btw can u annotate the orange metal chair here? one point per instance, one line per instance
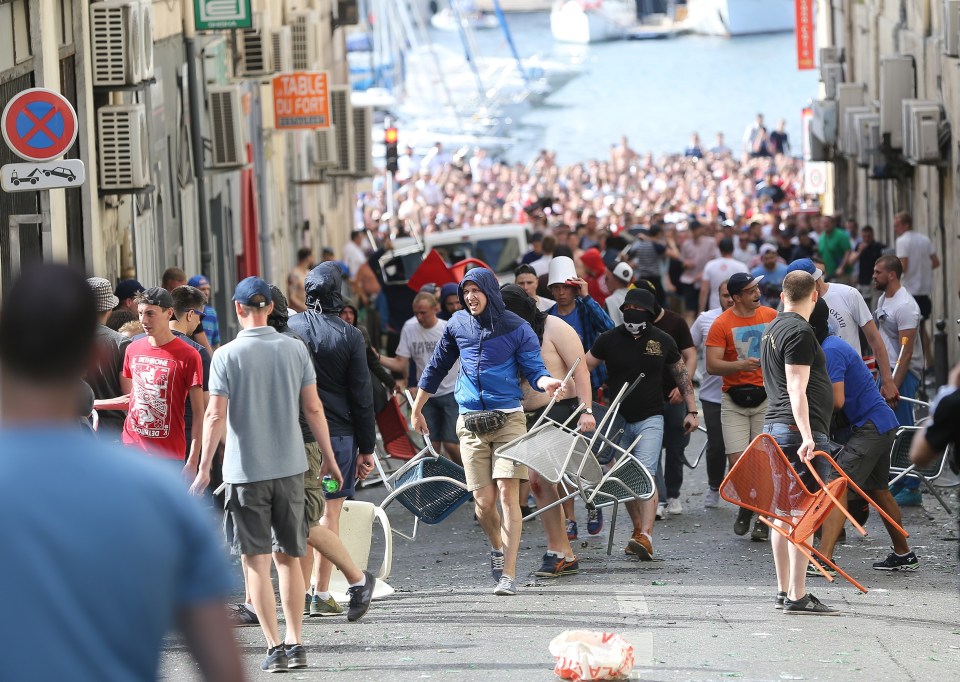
(764, 482)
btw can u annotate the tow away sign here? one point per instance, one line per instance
(301, 100)
(30, 177)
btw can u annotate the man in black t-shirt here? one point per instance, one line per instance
(633, 349)
(799, 407)
(866, 255)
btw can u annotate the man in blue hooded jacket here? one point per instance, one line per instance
(494, 347)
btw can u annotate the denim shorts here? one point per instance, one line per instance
(441, 413)
(647, 451)
(789, 441)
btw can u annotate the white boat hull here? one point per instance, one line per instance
(740, 17)
(570, 22)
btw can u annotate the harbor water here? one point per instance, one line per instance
(657, 92)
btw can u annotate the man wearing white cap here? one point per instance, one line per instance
(618, 281)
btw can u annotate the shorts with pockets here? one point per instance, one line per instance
(313, 492)
(267, 516)
(740, 425)
(865, 457)
(480, 465)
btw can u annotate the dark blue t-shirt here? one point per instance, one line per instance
(573, 319)
(861, 398)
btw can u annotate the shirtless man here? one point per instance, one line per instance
(560, 348)
(621, 156)
(296, 294)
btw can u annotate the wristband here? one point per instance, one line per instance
(693, 412)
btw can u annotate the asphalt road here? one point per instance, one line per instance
(702, 611)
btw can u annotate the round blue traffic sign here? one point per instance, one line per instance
(39, 124)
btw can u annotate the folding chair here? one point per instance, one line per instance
(703, 450)
(764, 482)
(395, 439)
(901, 466)
(431, 487)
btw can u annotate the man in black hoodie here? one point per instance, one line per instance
(343, 383)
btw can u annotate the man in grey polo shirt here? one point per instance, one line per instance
(258, 383)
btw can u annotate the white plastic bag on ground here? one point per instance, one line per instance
(590, 655)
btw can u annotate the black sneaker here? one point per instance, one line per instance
(360, 597)
(556, 566)
(781, 596)
(743, 522)
(808, 605)
(760, 532)
(276, 660)
(895, 562)
(240, 616)
(296, 656)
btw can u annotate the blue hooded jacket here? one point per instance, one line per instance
(493, 348)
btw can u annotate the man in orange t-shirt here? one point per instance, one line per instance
(733, 352)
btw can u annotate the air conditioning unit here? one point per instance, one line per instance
(868, 138)
(282, 49)
(341, 113)
(146, 40)
(124, 147)
(816, 147)
(303, 29)
(226, 126)
(849, 133)
(831, 55)
(823, 123)
(951, 28)
(832, 77)
(363, 142)
(848, 95)
(897, 83)
(255, 47)
(921, 131)
(326, 148)
(116, 35)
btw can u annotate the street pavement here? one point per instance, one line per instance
(703, 610)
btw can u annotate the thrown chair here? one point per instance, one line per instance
(901, 466)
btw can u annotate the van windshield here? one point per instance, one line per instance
(500, 254)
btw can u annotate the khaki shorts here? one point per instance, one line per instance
(479, 463)
(740, 424)
(313, 493)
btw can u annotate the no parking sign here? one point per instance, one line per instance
(39, 124)
(815, 177)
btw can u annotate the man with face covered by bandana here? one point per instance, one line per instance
(637, 348)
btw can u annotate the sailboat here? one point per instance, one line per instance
(592, 21)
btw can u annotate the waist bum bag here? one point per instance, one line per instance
(486, 421)
(748, 395)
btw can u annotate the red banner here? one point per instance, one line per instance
(806, 48)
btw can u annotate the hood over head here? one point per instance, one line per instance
(322, 286)
(518, 302)
(487, 281)
(820, 320)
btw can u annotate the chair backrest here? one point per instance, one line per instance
(900, 454)
(582, 463)
(393, 429)
(628, 480)
(763, 480)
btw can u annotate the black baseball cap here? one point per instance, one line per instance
(740, 281)
(642, 299)
(157, 296)
(127, 288)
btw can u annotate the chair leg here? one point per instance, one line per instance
(936, 494)
(613, 526)
(839, 570)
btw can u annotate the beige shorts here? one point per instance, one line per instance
(313, 493)
(740, 424)
(479, 463)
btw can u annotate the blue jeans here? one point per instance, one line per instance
(904, 412)
(647, 450)
(789, 441)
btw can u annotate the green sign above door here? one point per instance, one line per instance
(216, 15)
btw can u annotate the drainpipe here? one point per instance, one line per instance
(196, 137)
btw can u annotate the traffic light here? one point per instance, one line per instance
(390, 139)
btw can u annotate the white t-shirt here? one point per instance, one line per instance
(918, 279)
(900, 311)
(353, 258)
(716, 272)
(418, 344)
(613, 303)
(848, 312)
(711, 386)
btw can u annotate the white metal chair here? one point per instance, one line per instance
(901, 466)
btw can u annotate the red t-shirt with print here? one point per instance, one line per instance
(162, 378)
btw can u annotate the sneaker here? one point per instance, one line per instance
(711, 499)
(594, 521)
(507, 587)
(296, 656)
(661, 510)
(895, 562)
(324, 607)
(760, 532)
(808, 605)
(571, 530)
(276, 660)
(240, 616)
(908, 498)
(743, 522)
(555, 566)
(674, 508)
(641, 545)
(525, 510)
(496, 565)
(813, 572)
(360, 597)
(781, 597)
(307, 598)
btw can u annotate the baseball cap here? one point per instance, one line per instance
(767, 248)
(157, 296)
(253, 292)
(127, 288)
(740, 281)
(101, 291)
(198, 281)
(806, 265)
(623, 272)
(641, 298)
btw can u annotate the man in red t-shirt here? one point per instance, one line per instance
(165, 372)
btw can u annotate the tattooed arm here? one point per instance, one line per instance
(682, 377)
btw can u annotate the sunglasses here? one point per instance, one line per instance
(199, 313)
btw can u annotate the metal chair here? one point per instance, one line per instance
(703, 451)
(901, 466)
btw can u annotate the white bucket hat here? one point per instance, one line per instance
(561, 269)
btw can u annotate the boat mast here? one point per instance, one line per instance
(502, 18)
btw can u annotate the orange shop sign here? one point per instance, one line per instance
(805, 35)
(301, 100)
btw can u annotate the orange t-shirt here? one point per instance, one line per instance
(740, 339)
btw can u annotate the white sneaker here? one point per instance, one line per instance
(674, 508)
(661, 510)
(711, 499)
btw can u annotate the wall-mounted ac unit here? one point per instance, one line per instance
(146, 40)
(921, 131)
(831, 55)
(282, 48)
(255, 47)
(124, 147)
(897, 83)
(303, 28)
(226, 126)
(823, 123)
(832, 77)
(341, 112)
(848, 95)
(868, 138)
(849, 133)
(326, 147)
(116, 35)
(363, 142)
(818, 150)
(951, 28)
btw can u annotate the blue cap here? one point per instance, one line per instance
(127, 288)
(806, 265)
(253, 292)
(198, 281)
